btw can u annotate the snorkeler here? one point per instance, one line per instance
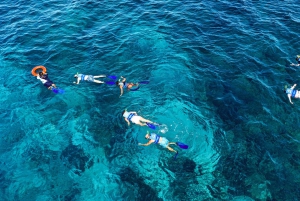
(134, 118)
(122, 84)
(156, 139)
(45, 80)
(298, 60)
(89, 78)
(292, 93)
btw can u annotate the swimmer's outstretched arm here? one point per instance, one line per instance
(293, 86)
(124, 79)
(150, 142)
(127, 121)
(289, 95)
(121, 88)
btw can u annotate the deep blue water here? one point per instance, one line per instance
(216, 70)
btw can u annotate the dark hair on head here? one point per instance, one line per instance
(41, 73)
(284, 90)
(123, 112)
(117, 83)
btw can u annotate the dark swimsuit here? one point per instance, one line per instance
(49, 82)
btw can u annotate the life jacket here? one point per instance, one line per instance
(291, 91)
(154, 137)
(81, 76)
(128, 115)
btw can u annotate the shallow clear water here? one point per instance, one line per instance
(216, 72)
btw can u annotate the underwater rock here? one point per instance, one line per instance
(136, 186)
(74, 157)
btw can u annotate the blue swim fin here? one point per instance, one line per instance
(144, 82)
(181, 145)
(110, 82)
(152, 126)
(176, 155)
(58, 91)
(113, 77)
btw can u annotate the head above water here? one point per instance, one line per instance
(41, 73)
(147, 136)
(285, 87)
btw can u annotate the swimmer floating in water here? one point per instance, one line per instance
(292, 93)
(122, 84)
(156, 139)
(134, 118)
(89, 78)
(298, 60)
(43, 77)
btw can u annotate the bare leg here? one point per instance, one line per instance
(141, 124)
(145, 120)
(170, 149)
(98, 81)
(51, 87)
(97, 76)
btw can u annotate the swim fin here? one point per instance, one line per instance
(113, 77)
(176, 155)
(152, 126)
(181, 145)
(58, 91)
(110, 82)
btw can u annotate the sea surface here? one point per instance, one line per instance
(216, 72)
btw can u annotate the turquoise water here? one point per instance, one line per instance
(216, 72)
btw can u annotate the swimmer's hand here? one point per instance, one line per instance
(75, 82)
(140, 144)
